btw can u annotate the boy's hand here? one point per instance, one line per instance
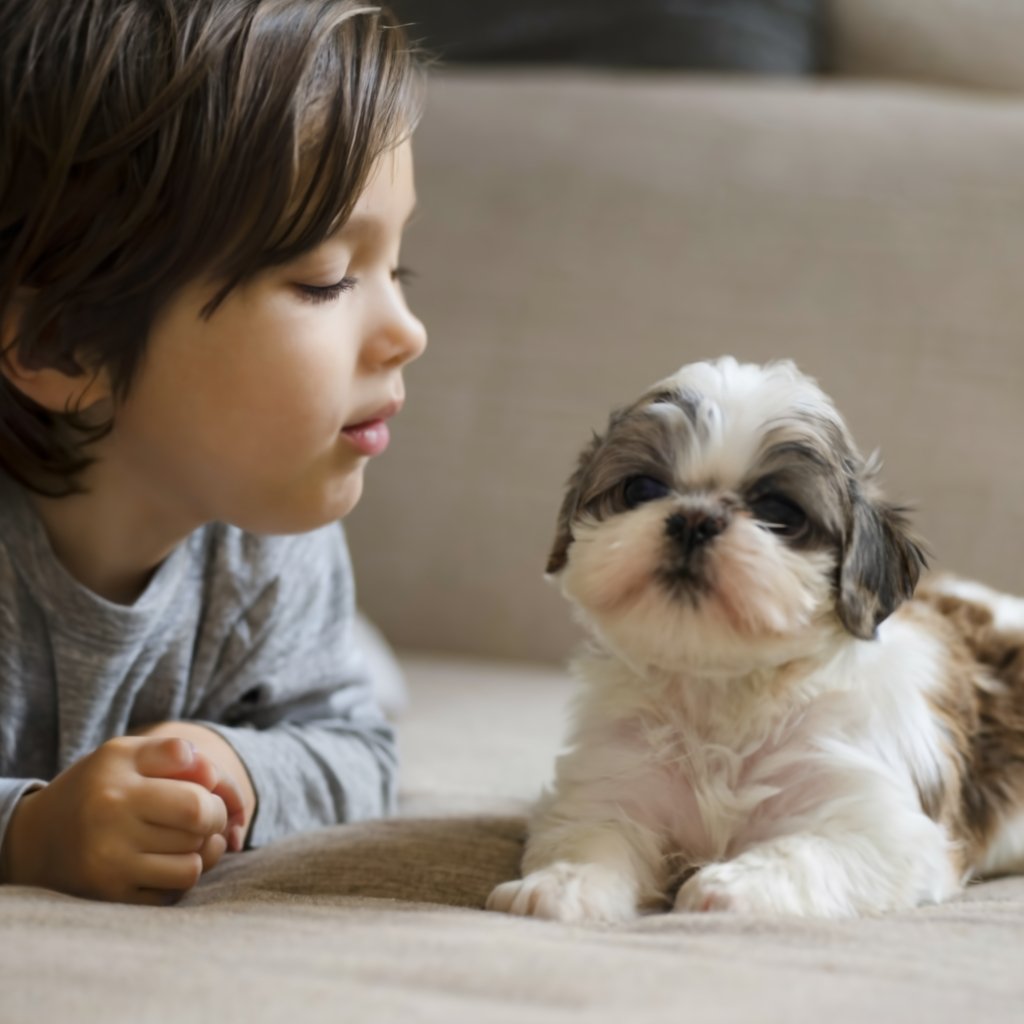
(217, 764)
(137, 820)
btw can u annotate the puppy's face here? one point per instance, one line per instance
(727, 520)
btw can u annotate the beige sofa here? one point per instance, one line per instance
(582, 235)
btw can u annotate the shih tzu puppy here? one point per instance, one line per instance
(773, 721)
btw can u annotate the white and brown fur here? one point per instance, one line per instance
(773, 721)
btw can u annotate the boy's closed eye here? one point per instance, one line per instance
(327, 292)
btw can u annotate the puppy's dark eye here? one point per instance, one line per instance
(779, 514)
(639, 489)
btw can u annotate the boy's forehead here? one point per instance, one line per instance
(390, 194)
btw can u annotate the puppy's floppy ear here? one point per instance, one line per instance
(881, 565)
(570, 503)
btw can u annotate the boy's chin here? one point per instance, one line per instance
(349, 495)
(342, 498)
(301, 516)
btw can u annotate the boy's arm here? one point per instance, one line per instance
(294, 701)
(309, 772)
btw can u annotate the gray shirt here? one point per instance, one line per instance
(249, 635)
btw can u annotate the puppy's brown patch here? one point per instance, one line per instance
(982, 710)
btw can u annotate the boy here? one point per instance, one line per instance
(201, 208)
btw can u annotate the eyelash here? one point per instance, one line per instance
(327, 293)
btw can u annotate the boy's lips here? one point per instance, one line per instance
(370, 436)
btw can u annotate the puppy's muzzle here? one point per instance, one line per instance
(692, 529)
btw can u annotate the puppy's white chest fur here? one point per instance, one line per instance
(714, 780)
(711, 764)
(696, 770)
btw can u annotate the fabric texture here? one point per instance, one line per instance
(382, 921)
(757, 36)
(251, 636)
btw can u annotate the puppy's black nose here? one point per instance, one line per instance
(694, 528)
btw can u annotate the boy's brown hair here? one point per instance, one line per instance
(148, 143)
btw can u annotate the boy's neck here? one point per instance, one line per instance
(108, 539)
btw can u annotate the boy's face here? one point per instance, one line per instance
(247, 417)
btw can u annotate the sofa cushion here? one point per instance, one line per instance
(383, 921)
(480, 737)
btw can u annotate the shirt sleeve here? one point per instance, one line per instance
(11, 791)
(294, 699)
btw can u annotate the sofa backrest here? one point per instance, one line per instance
(584, 235)
(974, 43)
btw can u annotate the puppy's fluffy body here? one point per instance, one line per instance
(773, 721)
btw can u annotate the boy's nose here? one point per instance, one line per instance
(401, 340)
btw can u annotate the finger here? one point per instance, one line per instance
(202, 771)
(192, 765)
(164, 757)
(173, 871)
(236, 838)
(160, 839)
(174, 757)
(214, 847)
(182, 805)
(227, 789)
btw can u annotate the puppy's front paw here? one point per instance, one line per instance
(568, 892)
(740, 889)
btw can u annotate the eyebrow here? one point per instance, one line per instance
(364, 224)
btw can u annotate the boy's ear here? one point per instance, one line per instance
(48, 386)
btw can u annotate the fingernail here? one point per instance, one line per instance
(237, 838)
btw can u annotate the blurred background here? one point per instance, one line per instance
(767, 36)
(610, 190)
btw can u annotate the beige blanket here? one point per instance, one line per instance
(383, 922)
